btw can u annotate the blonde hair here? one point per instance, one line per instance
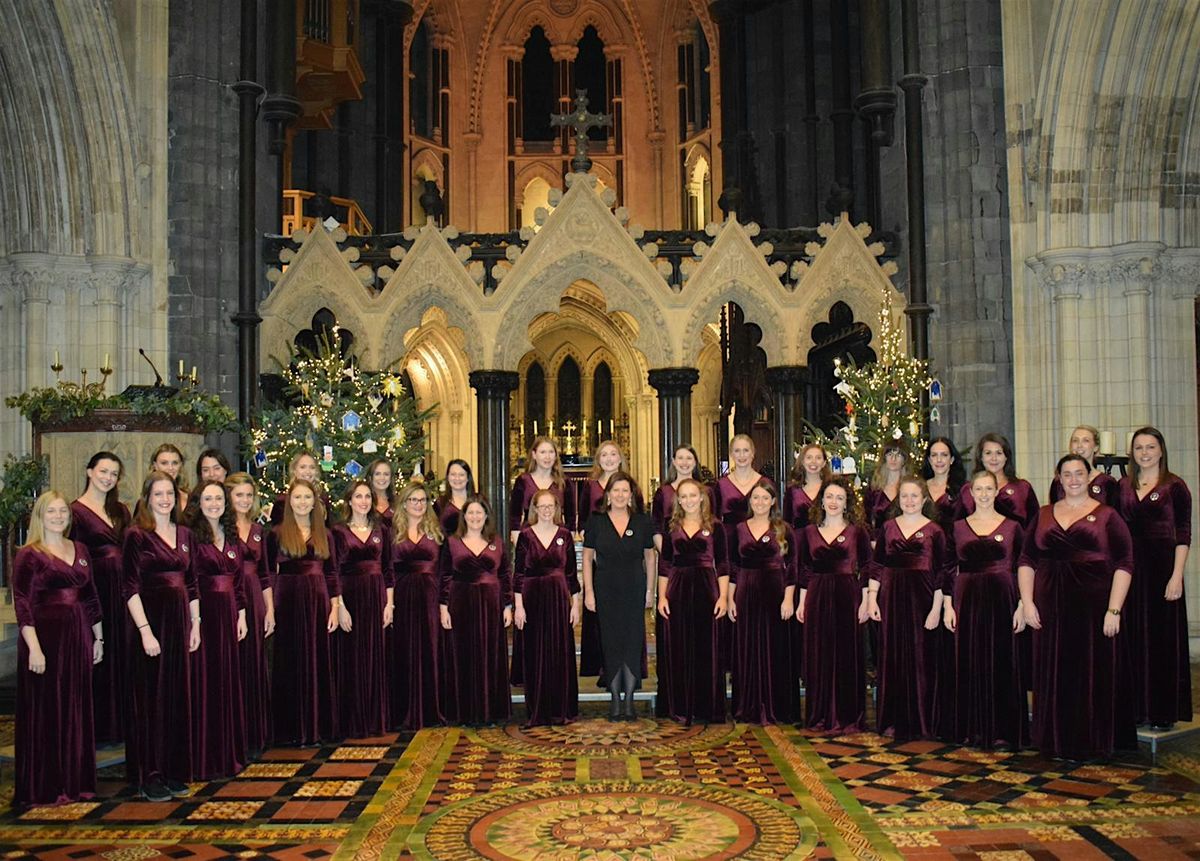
(598, 471)
(237, 479)
(677, 514)
(429, 525)
(1095, 433)
(36, 537)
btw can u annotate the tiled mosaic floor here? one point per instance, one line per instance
(647, 790)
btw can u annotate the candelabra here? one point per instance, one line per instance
(82, 389)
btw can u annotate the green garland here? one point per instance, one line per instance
(57, 404)
(23, 480)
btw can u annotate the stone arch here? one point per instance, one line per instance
(436, 347)
(549, 171)
(296, 312)
(525, 18)
(757, 308)
(595, 14)
(407, 312)
(604, 355)
(865, 303)
(555, 360)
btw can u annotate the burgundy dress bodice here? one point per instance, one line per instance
(410, 558)
(704, 549)
(523, 491)
(1103, 488)
(459, 563)
(150, 563)
(371, 556)
(254, 556)
(220, 569)
(448, 514)
(42, 580)
(101, 540)
(1016, 500)
(848, 554)
(758, 554)
(796, 506)
(534, 560)
(1164, 514)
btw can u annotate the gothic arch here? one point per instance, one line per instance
(439, 368)
(756, 307)
(554, 362)
(296, 314)
(525, 18)
(408, 311)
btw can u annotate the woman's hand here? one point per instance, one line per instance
(1112, 624)
(873, 608)
(389, 614)
(519, 617)
(150, 643)
(1018, 619)
(576, 611)
(242, 628)
(508, 616)
(589, 601)
(721, 608)
(194, 637)
(97, 651)
(864, 611)
(732, 609)
(332, 622)
(444, 612)
(1174, 589)
(664, 607)
(649, 599)
(786, 610)
(1032, 619)
(949, 618)
(344, 620)
(37, 661)
(934, 617)
(800, 606)
(269, 623)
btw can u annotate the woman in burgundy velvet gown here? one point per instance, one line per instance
(169, 459)
(212, 465)
(476, 608)
(459, 486)
(260, 612)
(683, 466)
(1157, 505)
(618, 559)
(543, 472)
(693, 595)
(1085, 441)
(879, 499)
(981, 606)
(218, 713)
(609, 461)
(160, 591)
(905, 596)
(1017, 498)
(834, 562)
(383, 488)
(98, 521)
(809, 474)
(304, 466)
(363, 547)
(945, 475)
(58, 614)
(301, 556)
(762, 585)
(547, 603)
(417, 643)
(1074, 575)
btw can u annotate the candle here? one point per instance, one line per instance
(535, 432)
(193, 373)
(181, 367)
(599, 428)
(56, 359)
(106, 363)
(610, 428)
(1108, 442)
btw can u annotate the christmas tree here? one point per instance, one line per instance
(344, 415)
(882, 403)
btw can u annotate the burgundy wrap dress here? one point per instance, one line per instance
(476, 589)
(110, 693)
(990, 707)
(909, 570)
(256, 678)
(833, 573)
(949, 509)
(765, 690)
(1076, 689)
(159, 740)
(1157, 629)
(55, 747)
(448, 514)
(796, 509)
(1103, 488)
(692, 683)
(417, 636)
(546, 579)
(591, 652)
(877, 509)
(359, 655)
(302, 683)
(523, 491)
(218, 713)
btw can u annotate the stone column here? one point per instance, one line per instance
(492, 391)
(789, 384)
(740, 194)
(674, 387)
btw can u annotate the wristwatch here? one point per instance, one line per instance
(1114, 611)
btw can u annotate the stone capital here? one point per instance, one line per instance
(787, 379)
(494, 384)
(564, 51)
(673, 381)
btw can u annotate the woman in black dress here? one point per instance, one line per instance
(618, 585)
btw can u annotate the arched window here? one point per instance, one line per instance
(602, 393)
(535, 399)
(591, 73)
(841, 337)
(537, 193)
(569, 399)
(538, 97)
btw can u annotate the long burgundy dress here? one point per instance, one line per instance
(218, 714)
(591, 652)
(764, 682)
(990, 703)
(949, 512)
(949, 509)
(1157, 629)
(55, 748)
(417, 640)
(1017, 500)
(910, 570)
(833, 573)
(476, 589)
(545, 578)
(1076, 689)
(1103, 488)
(731, 507)
(796, 509)
(523, 490)
(302, 683)
(359, 656)
(256, 678)
(693, 685)
(109, 684)
(159, 738)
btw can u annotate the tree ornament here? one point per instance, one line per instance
(374, 399)
(351, 421)
(326, 400)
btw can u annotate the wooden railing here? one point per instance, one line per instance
(348, 213)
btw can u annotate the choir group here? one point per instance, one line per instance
(962, 592)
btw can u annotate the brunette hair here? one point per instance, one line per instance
(489, 528)
(198, 523)
(288, 531)
(447, 494)
(532, 516)
(217, 455)
(672, 472)
(879, 475)
(597, 471)
(143, 517)
(1164, 472)
(928, 507)
(796, 476)
(1071, 458)
(36, 536)
(429, 525)
(777, 524)
(390, 493)
(117, 513)
(180, 483)
(957, 476)
(853, 513)
(620, 475)
(1010, 470)
(236, 480)
(556, 471)
(707, 521)
(354, 484)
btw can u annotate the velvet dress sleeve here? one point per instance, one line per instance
(1031, 555)
(517, 503)
(862, 551)
(239, 576)
(91, 598)
(791, 559)
(445, 570)
(570, 565)
(666, 557)
(1031, 507)
(1181, 506)
(333, 572)
(720, 550)
(803, 559)
(1120, 543)
(505, 575)
(26, 570)
(385, 556)
(520, 559)
(185, 544)
(131, 552)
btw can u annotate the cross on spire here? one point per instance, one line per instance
(581, 121)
